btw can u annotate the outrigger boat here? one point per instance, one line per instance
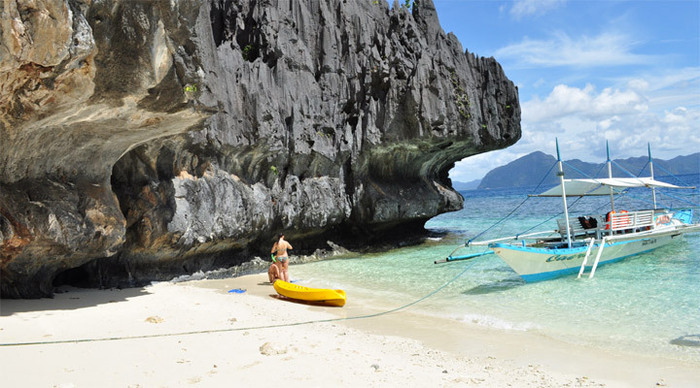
(583, 243)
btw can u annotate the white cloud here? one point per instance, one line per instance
(584, 120)
(638, 84)
(523, 8)
(606, 49)
(663, 110)
(566, 100)
(679, 87)
(608, 123)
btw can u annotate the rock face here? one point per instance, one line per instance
(141, 140)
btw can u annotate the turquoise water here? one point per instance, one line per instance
(647, 304)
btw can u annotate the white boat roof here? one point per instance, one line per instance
(602, 186)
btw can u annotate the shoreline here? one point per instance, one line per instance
(196, 333)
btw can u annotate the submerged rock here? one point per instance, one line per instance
(143, 140)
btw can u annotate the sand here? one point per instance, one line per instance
(198, 334)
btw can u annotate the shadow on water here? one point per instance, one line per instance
(690, 340)
(504, 269)
(497, 286)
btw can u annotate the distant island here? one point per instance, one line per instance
(531, 169)
(462, 186)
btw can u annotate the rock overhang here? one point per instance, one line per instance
(188, 133)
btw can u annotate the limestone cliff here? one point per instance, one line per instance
(145, 139)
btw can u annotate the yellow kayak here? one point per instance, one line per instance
(316, 295)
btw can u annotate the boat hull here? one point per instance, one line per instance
(314, 295)
(537, 264)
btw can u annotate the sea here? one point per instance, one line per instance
(646, 304)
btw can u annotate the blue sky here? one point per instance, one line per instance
(589, 71)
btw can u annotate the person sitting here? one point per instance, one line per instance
(273, 273)
(588, 222)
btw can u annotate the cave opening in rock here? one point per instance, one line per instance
(80, 277)
(104, 271)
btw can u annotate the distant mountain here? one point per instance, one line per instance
(531, 168)
(471, 185)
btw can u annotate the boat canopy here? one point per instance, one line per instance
(602, 186)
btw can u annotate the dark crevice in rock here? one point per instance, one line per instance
(220, 21)
(145, 195)
(230, 22)
(82, 277)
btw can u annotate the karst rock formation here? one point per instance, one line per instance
(140, 140)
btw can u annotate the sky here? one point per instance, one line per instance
(589, 71)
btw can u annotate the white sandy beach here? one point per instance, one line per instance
(198, 334)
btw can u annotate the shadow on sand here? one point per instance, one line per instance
(299, 301)
(69, 298)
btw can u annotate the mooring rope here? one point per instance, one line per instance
(507, 216)
(234, 329)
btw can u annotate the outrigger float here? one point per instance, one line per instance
(584, 243)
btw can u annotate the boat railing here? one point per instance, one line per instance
(578, 226)
(598, 226)
(635, 221)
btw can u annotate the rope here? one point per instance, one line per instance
(677, 178)
(514, 210)
(185, 333)
(583, 174)
(643, 167)
(680, 199)
(552, 217)
(498, 222)
(625, 170)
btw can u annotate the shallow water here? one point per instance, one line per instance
(647, 304)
